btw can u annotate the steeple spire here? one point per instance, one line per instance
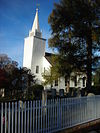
(36, 22)
(35, 27)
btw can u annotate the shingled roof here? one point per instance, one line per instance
(48, 56)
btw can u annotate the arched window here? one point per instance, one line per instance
(56, 82)
(84, 81)
(37, 69)
(75, 80)
(66, 81)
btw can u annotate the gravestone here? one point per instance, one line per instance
(61, 92)
(53, 93)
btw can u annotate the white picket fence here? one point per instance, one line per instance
(50, 116)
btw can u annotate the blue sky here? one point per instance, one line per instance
(16, 19)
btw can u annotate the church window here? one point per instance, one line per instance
(65, 80)
(51, 85)
(56, 82)
(75, 81)
(38, 34)
(83, 81)
(37, 69)
(44, 70)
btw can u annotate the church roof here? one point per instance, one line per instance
(48, 56)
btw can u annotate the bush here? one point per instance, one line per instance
(35, 91)
(96, 90)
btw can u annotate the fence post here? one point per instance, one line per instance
(9, 118)
(31, 117)
(12, 115)
(36, 114)
(5, 117)
(39, 117)
(59, 113)
(25, 117)
(1, 117)
(53, 120)
(95, 107)
(48, 114)
(22, 119)
(18, 117)
(51, 115)
(55, 113)
(28, 118)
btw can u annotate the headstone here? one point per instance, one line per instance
(90, 94)
(44, 97)
(74, 93)
(82, 92)
(61, 92)
(53, 92)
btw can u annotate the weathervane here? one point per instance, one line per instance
(37, 6)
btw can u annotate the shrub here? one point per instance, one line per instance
(35, 91)
(96, 90)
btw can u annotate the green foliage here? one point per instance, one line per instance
(3, 78)
(96, 77)
(50, 76)
(15, 80)
(19, 80)
(52, 73)
(75, 29)
(96, 90)
(35, 91)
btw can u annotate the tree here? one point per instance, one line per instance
(50, 76)
(35, 91)
(3, 78)
(6, 67)
(7, 63)
(96, 77)
(75, 29)
(15, 80)
(21, 80)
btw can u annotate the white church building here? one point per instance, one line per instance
(38, 60)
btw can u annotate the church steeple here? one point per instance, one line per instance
(36, 22)
(35, 28)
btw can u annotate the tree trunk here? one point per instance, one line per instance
(89, 62)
